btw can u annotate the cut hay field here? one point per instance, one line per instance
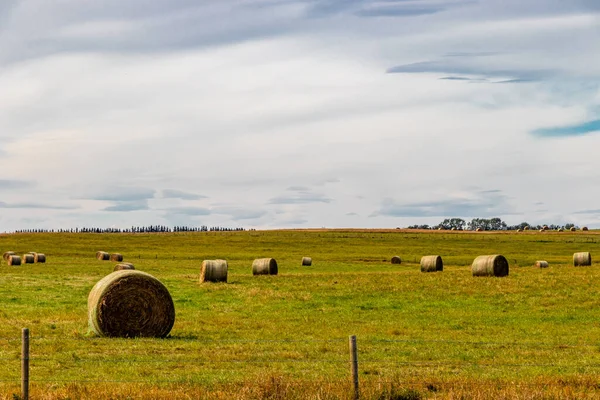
(447, 335)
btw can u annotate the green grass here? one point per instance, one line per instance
(277, 333)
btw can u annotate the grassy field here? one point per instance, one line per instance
(532, 335)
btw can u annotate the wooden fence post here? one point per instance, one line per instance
(354, 366)
(25, 364)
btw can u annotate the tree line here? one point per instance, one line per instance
(491, 224)
(136, 229)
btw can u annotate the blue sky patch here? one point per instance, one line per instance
(569, 130)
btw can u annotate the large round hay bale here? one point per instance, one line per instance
(116, 257)
(583, 258)
(585, 228)
(14, 260)
(264, 266)
(573, 229)
(478, 230)
(306, 261)
(559, 230)
(541, 264)
(396, 260)
(431, 264)
(122, 266)
(526, 228)
(39, 258)
(130, 303)
(519, 230)
(102, 256)
(213, 271)
(494, 265)
(8, 254)
(542, 230)
(28, 258)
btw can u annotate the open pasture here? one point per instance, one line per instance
(532, 334)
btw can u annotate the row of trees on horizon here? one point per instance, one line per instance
(137, 229)
(491, 224)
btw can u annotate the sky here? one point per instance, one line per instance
(298, 113)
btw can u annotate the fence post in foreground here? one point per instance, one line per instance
(354, 366)
(25, 364)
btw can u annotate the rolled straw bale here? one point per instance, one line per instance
(213, 271)
(519, 230)
(572, 229)
(478, 230)
(526, 228)
(14, 260)
(583, 258)
(306, 261)
(585, 228)
(28, 258)
(453, 228)
(396, 260)
(102, 256)
(8, 254)
(542, 230)
(116, 257)
(541, 264)
(264, 266)
(39, 258)
(559, 230)
(122, 266)
(130, 303)
(493, 265)
(431, 264)
(545, 227)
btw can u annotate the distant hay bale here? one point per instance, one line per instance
(39, 258)
(431, 264)
(541, 264)
(116, 257)
(581, 259)
(213, 271)
(123, 266)
(28, 258)
(573, 229)
(559, 230)
(130, 303)
(264, 266)
(585, 228)
(478, 230)
(545, 227)
(542, 230)
(453, 228)
(306, 261)
(14, 260)
(440, 228)
(526, 228)
(396, 260)
(519, 230)
(493, 265)
(8, 254)
(102, 256)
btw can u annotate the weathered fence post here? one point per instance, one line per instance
(354, 366)
(25, 364)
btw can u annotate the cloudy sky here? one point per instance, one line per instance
(298, 113)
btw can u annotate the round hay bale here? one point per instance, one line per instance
(585, 228)
(306, 261)
(28, 258)
(396, 260)
(478, 230)
(545, 227)
(526, 228)
(8, 254)
(122, 266)
(39, 258)
(14, 260)
(542, 230)
(440, 228)
(494, 265)
(581, 259)
(431, 264)
(573, 229)
(102, 256)
(130, 303)
(116, 257)
(213, 271)
(519, 230)
(541, 264)
(559, 230)
(264, 266)
(453, 228)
